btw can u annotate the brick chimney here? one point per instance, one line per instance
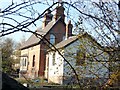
(60, 12)
(47, 18)
(69, 27)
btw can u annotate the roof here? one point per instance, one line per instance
(72, 39)
(64, 43)
(33, 40)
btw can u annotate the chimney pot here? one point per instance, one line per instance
(69, 27)
(47, 18)
(60, 12)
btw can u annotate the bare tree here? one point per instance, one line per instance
(100, 19)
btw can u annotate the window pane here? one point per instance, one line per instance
(25, 61)
(52, 39)
(33, 64)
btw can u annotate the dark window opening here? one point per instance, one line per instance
(25, 62)
(33, 64)
(53, 58)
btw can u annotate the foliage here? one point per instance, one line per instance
(7, 47)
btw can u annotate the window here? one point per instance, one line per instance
(80, 57)
(25, 62)
(54, 58)
(52, 39)
(33, 64)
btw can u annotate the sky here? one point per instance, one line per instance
(19, 35)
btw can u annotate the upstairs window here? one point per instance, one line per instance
(33, 64)
(80, 57)
(52, 39)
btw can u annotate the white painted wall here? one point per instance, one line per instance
(90, 69)
(55, 72)
(64, 69)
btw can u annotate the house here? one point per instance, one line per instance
(84, 54)
(33, 51)
(114, 65)
(40, 59)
